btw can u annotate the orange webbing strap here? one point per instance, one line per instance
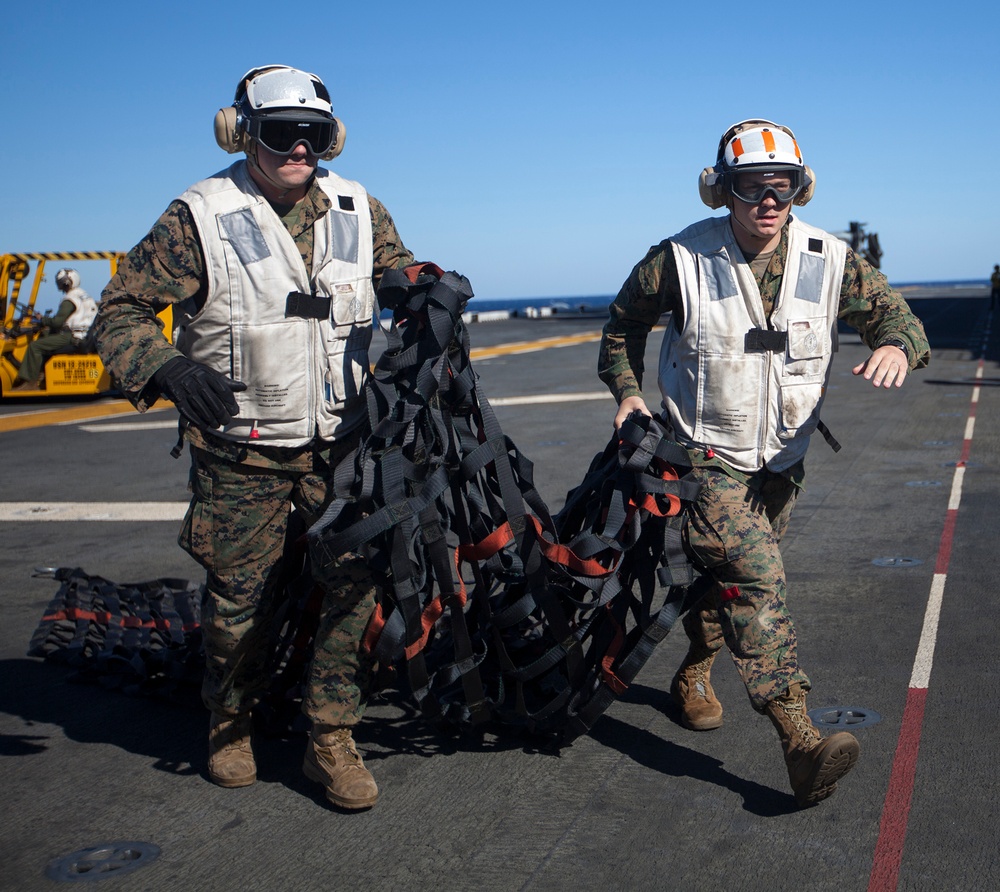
(374, 631)
(433, 612)
(106, 618)
(566, 557)
(613, 682)
(487, 547)
(415, 270)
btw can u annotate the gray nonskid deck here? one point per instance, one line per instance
(639, 803)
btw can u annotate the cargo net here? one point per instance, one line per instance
(141, 638)
(494, 610)
(491, 612)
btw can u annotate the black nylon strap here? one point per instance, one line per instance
(831, 440)
(307, 306)
(758, 339)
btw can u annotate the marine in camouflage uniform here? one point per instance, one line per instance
(735, 527)
(243, 494)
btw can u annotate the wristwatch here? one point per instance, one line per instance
(896, 342)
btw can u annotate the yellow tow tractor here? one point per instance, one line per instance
(78, 372)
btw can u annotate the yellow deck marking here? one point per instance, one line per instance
(71, 415)
(532, 346)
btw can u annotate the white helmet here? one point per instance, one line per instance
(761, 146)
(67, 279)
(279, 108)
(278, 88)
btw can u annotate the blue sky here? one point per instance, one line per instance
(538, 148)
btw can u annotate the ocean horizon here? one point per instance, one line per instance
(599, 302)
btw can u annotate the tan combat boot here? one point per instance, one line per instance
(814, 764)
(230, 759)
(333, 760)
(692, 691)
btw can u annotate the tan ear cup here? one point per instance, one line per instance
(806, 194)
(710, 189)
(338, 141)
(226, 134)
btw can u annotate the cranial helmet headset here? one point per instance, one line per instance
(67, 279)
(280, 108)
(756, 146)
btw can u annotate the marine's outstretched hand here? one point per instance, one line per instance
(886, 366)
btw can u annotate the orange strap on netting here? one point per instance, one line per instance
(433, 611)
(414, 270)
(563, 555)
(607, 661)
(488, 546)
(650, 503)
(103, 617)
(375, 626)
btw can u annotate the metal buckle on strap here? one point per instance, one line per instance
(765, 339)
(307, 306)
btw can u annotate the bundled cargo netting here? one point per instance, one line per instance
(143, 637)
(499, 611)
(494, 612)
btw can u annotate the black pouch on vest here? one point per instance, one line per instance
(764, 339)
(307, 306)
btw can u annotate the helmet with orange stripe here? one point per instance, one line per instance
(766, 149)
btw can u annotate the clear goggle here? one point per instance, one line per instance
(752, 185)
(281, 135)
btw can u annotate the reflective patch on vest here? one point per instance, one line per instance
(717, 275)
(810, 282)
(241, 231)
(344, 228)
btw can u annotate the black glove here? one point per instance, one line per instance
(202, 395)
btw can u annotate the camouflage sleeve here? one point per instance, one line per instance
(878, 312)
(389, 251)
(165, 268)
(650, 290)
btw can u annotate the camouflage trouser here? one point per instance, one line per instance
(235, 528)
(733, 534)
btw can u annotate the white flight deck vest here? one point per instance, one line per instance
(753, 407)
(303, 375)
(79, 321)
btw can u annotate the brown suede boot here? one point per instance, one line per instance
(692, 691)
(333, 760)
(814, 764)
(230, 759)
